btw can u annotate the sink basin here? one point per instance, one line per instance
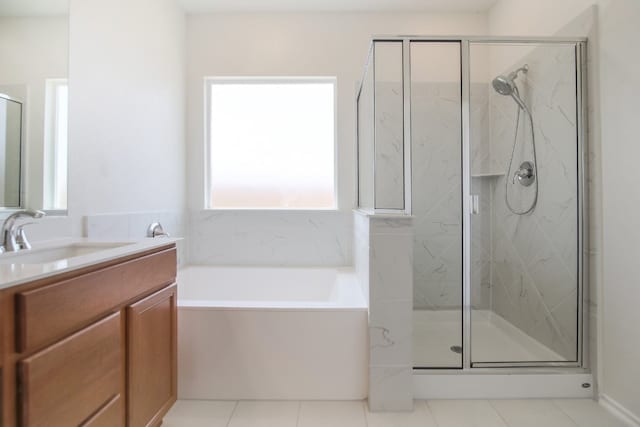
(52, 254)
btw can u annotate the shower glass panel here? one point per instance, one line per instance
(436, 151)
(524, 157)
(481, 141)
(365, 105)
(389, 134)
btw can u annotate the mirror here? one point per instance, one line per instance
(10, 143)
(34, 45)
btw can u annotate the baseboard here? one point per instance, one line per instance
(501, 386)
(619, 411)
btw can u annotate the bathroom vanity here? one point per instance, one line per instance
(89, 340)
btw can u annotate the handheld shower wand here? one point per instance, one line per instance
(527, 174)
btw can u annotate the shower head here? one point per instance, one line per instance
(506, 85)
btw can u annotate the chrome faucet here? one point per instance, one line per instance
(13, 235)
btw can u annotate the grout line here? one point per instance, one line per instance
(430, 411)
(553, 402)
(233, 411)
(364, 406)
(298, 414)
(506, 423)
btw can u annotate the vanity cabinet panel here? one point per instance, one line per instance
(91, 347)
(66, 383)
(151, 358)
(111, 415)
(48, 313)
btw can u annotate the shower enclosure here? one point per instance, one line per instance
(481, 141)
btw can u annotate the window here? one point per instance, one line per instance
(55, 144)
(270, 143)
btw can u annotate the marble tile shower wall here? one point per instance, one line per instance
(535, 255)
(436, 201)
(389, 152)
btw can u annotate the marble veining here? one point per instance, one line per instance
(383, 264)
(535, 256)
(389, 146)
(322, 238)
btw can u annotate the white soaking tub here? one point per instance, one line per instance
(271, 333)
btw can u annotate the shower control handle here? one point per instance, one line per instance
(524, 174)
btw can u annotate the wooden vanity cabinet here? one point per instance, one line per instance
(152, 348)
(68, 382)
(91, 347)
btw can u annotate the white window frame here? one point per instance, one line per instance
(210, 80)
(56, 160)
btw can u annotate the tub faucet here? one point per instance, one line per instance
(14, 238)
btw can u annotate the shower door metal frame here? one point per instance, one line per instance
(581, 362)
(581, 299)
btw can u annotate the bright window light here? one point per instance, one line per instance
(271, 143)
(56, 144)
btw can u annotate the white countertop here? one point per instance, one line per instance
(12, 274)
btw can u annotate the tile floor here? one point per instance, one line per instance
(432, 413)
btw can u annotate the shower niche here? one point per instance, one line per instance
(481, 141)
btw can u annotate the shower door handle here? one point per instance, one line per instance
(474, 203)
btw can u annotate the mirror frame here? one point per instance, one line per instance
(23, 163)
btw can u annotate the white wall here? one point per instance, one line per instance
(617, 70)
(127, 106)
(289, 44)
(33, 49)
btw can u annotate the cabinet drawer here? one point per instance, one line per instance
(111, 415)
(63, 385)
(49, 313)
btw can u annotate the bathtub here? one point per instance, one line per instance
(271, 333)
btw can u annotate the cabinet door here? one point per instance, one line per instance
(152, 358)
(64, 384)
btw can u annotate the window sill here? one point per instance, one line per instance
(270, 210)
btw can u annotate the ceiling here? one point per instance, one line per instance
(199, 6)
(60, 7)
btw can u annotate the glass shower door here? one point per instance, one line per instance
(524, 185)
(436, 150)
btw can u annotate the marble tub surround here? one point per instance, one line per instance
(14, 273)
(130, 226)
(386, 264)
(271, 237)
(133, 225)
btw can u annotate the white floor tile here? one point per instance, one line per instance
(332, 414)
(199, 413)
(588, 413)
(532, 413)
(265, 414)
(465, 413)
(420, 417)
(434, 413)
